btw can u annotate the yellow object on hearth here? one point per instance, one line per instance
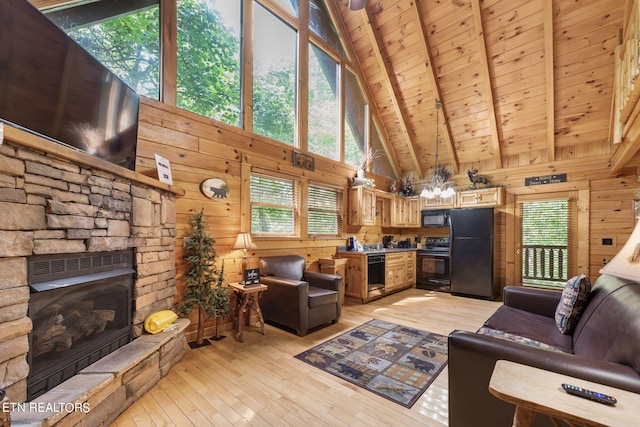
(159, 321)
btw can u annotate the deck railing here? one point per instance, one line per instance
(544, 264)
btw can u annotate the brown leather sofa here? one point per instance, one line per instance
(296, 298)
(604, 348)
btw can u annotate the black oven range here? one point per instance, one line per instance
(432, 269)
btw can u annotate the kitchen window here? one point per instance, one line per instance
(325, 211)
(274, 205)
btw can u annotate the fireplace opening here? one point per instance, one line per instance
(81, 309)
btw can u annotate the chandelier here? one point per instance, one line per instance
(439, 186)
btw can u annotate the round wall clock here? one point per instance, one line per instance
(214, 188)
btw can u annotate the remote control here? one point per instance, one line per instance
(588, 394)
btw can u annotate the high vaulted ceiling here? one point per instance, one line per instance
(521, 81)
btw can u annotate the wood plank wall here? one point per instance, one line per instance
(199, 148)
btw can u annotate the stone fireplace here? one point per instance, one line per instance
(57, 203)
(80, 308)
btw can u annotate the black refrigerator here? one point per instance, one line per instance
(471, 257)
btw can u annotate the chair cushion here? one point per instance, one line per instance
(572, 303)
(319, 296)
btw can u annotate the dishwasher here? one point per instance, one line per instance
(375, 274)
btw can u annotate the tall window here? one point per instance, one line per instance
(124, 36)
(325, 211)
(546, 243)
(320, 23)
(274, 77)
(273, 205)
(324, 111)
(381, 164)
(354, 120)
(209, 35)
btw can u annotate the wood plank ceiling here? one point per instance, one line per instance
(521, 81)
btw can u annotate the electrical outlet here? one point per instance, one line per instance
(605, 261)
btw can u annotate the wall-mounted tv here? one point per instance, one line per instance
(51, 86)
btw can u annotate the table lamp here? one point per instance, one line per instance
(244, 242)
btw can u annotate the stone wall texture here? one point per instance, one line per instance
(50, 205)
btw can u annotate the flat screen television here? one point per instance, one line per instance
(51, 86)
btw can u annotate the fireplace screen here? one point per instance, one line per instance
(80, 307)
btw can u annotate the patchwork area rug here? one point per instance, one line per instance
(393, 361)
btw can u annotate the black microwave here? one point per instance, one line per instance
(435, 218)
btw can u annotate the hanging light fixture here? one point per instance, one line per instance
(439, 186)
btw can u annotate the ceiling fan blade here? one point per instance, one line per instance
(356, 4)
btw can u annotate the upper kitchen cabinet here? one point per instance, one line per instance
(384, 209)
(438, 203)
(406, 211)
(362, 206)
(493, 196)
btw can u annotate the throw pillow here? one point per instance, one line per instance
(573, 301)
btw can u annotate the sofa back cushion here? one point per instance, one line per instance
(609, 328)
(286, 266)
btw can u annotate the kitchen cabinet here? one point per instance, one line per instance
(356, 277)
(493, 196)
(362, 206)
(439, 203)
(413, 219)
(399, 273)
(410, 268)
(384, 209)
(406, 211)
(394, 272)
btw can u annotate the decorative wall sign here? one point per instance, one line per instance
(304, 161)
(164, 170)
(546, 179)
(214, 188)
(251, 276)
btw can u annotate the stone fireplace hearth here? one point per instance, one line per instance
(54, 200)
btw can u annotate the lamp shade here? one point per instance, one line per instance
(244, 241)
(626, 263)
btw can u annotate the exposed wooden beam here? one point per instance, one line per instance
(168, 52)
(435, 88)
(486, 82)
(357, 66)
(392, 85)
(303, 78)
(247, 66)
(549, 79)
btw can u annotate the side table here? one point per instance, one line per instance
(247, 299)
(536, 390)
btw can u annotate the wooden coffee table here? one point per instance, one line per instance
(535, 390)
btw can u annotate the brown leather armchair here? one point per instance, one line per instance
(296, 298)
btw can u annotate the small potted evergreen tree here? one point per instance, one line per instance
(203, 281)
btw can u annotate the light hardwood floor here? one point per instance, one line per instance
(260, 383)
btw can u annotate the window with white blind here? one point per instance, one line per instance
(274, 202)
(325, 211)
(547, 230)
